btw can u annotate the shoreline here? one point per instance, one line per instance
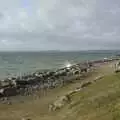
(29, 85)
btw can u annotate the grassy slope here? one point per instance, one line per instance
(99, 101)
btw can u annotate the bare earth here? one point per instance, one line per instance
(37, 109)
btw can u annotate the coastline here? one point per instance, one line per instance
(43, 81)
(37, 108)
(14, 63)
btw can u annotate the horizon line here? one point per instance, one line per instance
(58, 50)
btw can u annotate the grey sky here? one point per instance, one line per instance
(59, 24)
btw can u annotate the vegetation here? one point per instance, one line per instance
(99, 101)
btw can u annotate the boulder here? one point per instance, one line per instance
(9, 91)
(4, 83)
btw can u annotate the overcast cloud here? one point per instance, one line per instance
(59, 24)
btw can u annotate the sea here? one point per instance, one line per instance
(19, 63)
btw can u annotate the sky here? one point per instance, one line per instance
(59, 25)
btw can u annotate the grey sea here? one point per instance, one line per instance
(17, 63)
